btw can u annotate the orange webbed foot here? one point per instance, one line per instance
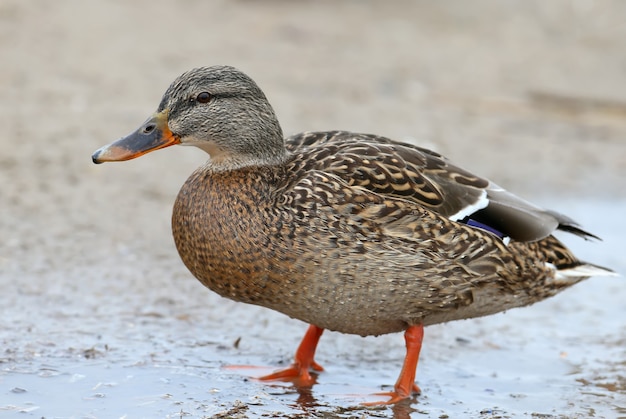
(405, 385)
(299, 374)
(394, 396)
(300, 371)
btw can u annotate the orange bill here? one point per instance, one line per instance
(151, 135)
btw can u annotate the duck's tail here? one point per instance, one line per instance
(568, 270)
(569, 275)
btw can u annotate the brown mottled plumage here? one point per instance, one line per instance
(348, 232)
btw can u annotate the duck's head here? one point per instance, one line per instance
(218, 109)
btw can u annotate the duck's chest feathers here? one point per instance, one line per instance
(223, 226)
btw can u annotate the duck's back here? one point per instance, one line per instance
(406, 171)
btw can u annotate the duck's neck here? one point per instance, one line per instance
(252, 148)
(223, 162)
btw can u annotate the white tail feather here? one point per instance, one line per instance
(581, 271)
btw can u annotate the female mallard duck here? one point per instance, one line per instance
(349, 232)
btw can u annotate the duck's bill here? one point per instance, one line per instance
(151, 135)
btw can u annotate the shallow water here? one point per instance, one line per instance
(120, 351)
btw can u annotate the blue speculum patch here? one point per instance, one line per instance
(473, 223)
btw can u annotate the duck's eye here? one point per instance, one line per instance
(203, 97)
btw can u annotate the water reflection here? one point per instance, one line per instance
(403, 409)
(309, 404)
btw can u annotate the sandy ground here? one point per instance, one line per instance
(100, 319)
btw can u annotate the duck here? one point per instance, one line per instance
(350, 232)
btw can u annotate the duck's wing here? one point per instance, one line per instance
(412, 173)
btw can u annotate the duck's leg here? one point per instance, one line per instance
(405, 385)
(299, 371)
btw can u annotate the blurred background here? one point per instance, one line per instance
(99, 311)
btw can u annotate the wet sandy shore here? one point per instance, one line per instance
(101, 319)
